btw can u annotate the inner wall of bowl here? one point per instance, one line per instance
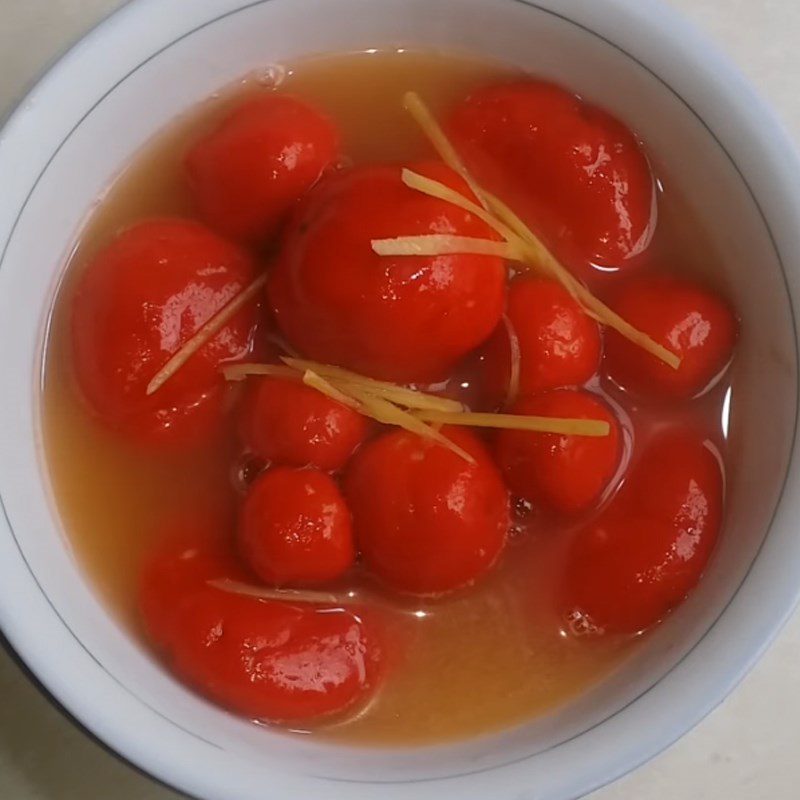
(545, 45)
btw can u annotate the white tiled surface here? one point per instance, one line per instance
(746, 750)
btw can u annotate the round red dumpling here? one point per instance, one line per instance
(287, 422)
(295, 528)
(567, 474)
(559, 344)
(691, 322)
(137, 303)
(427, 521)
(263, 659)
(247, 174)
(575, 174)
(274, 661)
(403, 318)
(628, 568)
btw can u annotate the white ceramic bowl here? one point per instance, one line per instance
(732, 163)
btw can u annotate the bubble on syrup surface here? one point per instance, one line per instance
(581, 624)
(270, 77)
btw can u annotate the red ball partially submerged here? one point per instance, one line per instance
(642, 556)
(275, 661)
(575, 174)
(400, 318)
(247, 174)
(567, 474)
(264, 659)
(427, 521)
(689, 321)
(138, 302)
(287, 422)
(295, 528)
(559, 344)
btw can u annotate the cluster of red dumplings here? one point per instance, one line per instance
(338, 487)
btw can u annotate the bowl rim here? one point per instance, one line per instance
(775, 148)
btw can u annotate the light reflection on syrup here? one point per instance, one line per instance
(726, 412)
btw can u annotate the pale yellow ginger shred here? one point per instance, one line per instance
(298, 369)
(415, 106)
(381, 401)
(531, 244)
(407, 398)
(361, 397)
(441, 191)
(520, 422)
(624, 328)
(389, 414)
(532, 251)
(444, 244)
(205, 334)
(540, 256)
(526, 249)
(319, 383)
(410, 398)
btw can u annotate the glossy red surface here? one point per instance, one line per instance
(138, 302)
(573, 172)
(567, 474)
(691, 322)
(286, 422)
(295, 528)
(427, 521)
(397, 318)
(247, 174)
(647, 550)
(559, 345)
(263, 659)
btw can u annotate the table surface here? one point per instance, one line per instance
(746, 749)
